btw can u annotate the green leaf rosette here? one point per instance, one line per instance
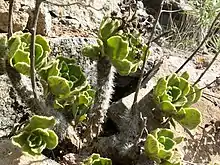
(174, 95)
(67, 82)
(19, 52)
(124, 50)
(160, 146)
(37, 136)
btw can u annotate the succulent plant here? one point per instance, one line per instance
(108, 27)
(124, 50)
(19, 52)
(36, 136)
(68, 84)
(95, 159)
(61, 77)
(174, 95)
(160, 145)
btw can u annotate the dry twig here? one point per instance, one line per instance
(133, 111)
(32, 45)
(203, 73)
(201, 44)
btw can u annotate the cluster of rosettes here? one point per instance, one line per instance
(68, 84)
(160, 146)
(124, 50)
(62, 77)
(174, 95)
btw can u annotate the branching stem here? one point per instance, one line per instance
(145, 59)
(208, 85)
(32, 45)
(208, 94)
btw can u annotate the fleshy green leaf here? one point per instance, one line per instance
(108, 27)
(20, 139)
(38, 53)
(95, 159)
(181, 102)
(34, 141)
(167, 107)
(54, 71)
(58, 85)
(14, 43)
(66, 60)
(23, 68)
(169, 143)
(36, 138)
(164, 154)
(176, 93)
(161, 87)
(166, 97)
(184, 86)
(19, 52)
(165, 132)
(40, 122)
(102, 161)
(123, 67)
(198, 94)
(91, 51)
(76, 72)
(39, 149)
(57, 105)
(83, 99)
(151, 145)
(43, 72)
(21, 56)
(191, 119)
(26, 149)
(179, 115)
(63, 67)
(25, 37)
(118, 48)
(185, 75)
(172, 79)
(190, 96)
(43, 42)
(178, 139)
(51, 140)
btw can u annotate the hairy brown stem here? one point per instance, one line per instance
(133, 111)
(104, 91)
(10, 18)
(32, 45)
(201, 44)
(203, 73)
